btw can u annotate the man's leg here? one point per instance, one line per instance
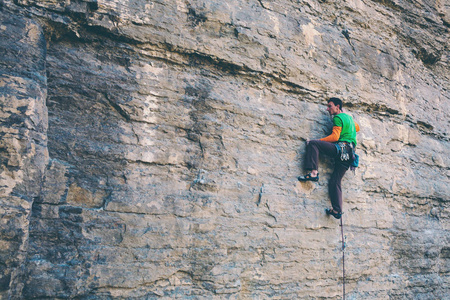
(312, 153)
(334, 186)
(312, 158)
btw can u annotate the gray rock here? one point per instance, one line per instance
(175, 135)
(23, 144)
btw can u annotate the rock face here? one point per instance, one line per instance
(166, 164)
(23, 144)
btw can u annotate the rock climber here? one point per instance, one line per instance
(340, 145)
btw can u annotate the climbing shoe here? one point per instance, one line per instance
(308, 177)
(333, 213)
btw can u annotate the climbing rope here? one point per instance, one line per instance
(343, 260)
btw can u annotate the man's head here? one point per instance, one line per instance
(334, 106)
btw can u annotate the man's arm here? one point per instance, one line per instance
(336, 133)
(334, 136)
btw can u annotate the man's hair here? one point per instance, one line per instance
(336, 101)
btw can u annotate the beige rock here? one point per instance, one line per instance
(176, 133)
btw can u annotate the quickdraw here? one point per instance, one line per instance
(344, 151)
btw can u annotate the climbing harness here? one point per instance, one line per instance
(343, 259)
(345, 155)
(345, 150)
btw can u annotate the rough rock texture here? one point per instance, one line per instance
(23, 144)
(167, 165)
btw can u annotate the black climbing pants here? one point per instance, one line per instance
(312, 163)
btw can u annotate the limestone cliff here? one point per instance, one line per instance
(150, 149)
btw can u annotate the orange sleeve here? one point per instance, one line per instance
(356, 127)
(334, 136)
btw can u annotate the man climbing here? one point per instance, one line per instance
(340, 145)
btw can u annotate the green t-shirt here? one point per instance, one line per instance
(348, 133)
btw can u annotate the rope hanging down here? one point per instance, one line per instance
(343, 260)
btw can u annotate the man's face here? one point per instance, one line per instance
(332, 109)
